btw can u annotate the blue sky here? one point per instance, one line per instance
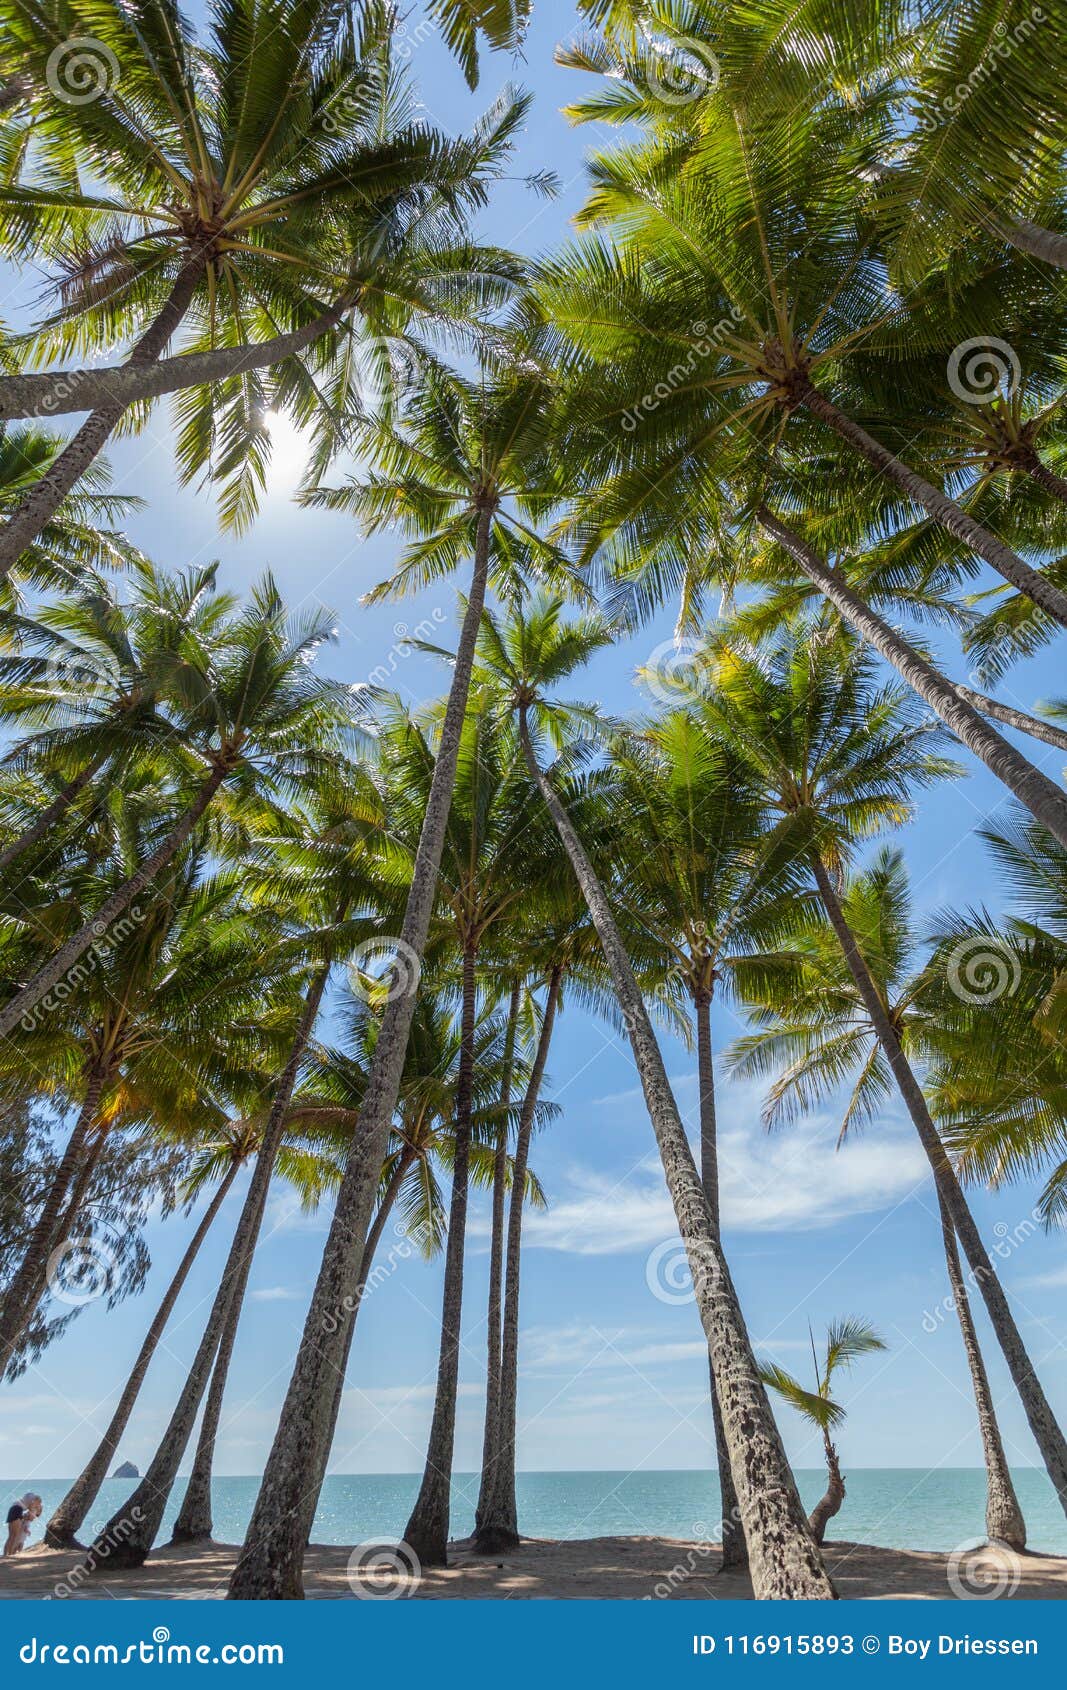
(613, 1376)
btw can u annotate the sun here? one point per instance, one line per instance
(290, 448)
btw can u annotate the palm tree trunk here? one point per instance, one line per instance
(67, 960)
(51, 813)
(1053, 484)
(127, 1539)
(1045, 244)
(734, 1553)
(1042, 797)
(1047, 1434)
(62, 1529)
(41, 503)
(1004, 1522)
(24, 1292)
(271, 1560)
(426, 1532)
(491, 1434)
(785, 1561)
(499, 1527)
(385, 1207)
(944, 510)
(194, 1522)
(1020, 720)
(830, 1502)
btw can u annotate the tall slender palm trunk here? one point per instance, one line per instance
(1041, 796)
(194, 1522)
(24, 1292)
(127, 1539)
(491, 1433)
(67, 960)
(42, 501)
(498, 1528)
(783, 1556)
(944, 510)
(1004, 1522)
(426, 1532)
(1020, 720)
(51, 813)
(1043, 1423)
(385, 1209)
(734, 1552)
(1047, 244)
(62, 1529)
(272, 1558)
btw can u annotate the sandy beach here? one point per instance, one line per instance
(607, 1568)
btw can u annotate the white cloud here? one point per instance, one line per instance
(275, 1294)
(787, 1181)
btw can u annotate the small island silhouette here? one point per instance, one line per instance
(126, 1470)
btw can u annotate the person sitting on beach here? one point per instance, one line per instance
(20, 1518)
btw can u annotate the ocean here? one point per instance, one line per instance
(897, 1507)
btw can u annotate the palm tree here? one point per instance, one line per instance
(453, 473)
(846, 1341)
(250, 707)
(85, 678)
(269, 185)
(811, 1017)
(81, 536)
(839, 761)
(539, 649)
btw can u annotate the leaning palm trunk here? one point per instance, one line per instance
(24, 1292)
(62, 1529)
(51, 814)
(1004, 1522)
(67, 1221)
(272, 1558)
(1020, 720)
(1046, 244)
(491, 1433)
(385, 1208)
(194, 1521)
(783, 1556)
(1047, 1433)
(68, 957)
(127, 1539)
(830, 1502)
(426, 1532)
(44, 499)
(1041, 796)
(944, 510)
(498, 1528)
(734, 1553)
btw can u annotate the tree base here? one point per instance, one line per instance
(494, 1540)
(427, 1548)
(61, 1540)
(190, 1534)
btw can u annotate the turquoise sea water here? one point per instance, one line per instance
(900, 1508)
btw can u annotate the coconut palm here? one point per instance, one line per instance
(533, 652)
(840, 760)
(811, 1019)
(453, 474)
(269, 184)
(81, 536)
(252, 710)
(82, 681)
(846, 1341)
